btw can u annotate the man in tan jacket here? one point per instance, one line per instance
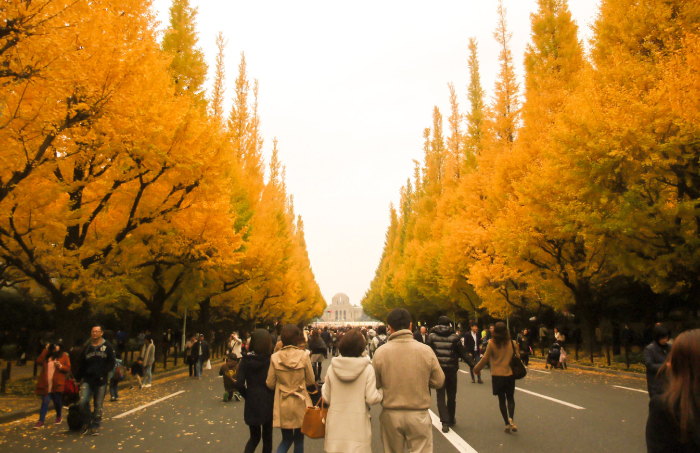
(406, 370)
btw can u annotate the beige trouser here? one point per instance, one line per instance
(413, 429)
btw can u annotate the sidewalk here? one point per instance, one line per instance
(597, 369)
(14, 407)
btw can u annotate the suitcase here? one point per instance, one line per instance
(75, 418)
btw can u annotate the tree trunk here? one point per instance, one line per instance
(204, 321)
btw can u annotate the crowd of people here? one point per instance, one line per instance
(279, 375)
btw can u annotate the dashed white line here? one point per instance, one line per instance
(550, 399)
(460, 444)
(149, 404)
(628, 388)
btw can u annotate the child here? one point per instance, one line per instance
(136, 372)
(116, 376)
(229, 371)
(553, 356)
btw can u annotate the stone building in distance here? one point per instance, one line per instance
(342, 311)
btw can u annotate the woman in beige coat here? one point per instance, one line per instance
(289, 375)
(499, 352)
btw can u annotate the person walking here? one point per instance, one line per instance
(289, 374)
(55, 366)
(421, 335)
(98, 359)
(200, 355)
(318, 350)
(543, 334)
(500, 351)
(655, 355)
(148, 352)
(472, 341)
(326, 337)
(673, 424)
(350, 388)
(449, 349)
(406, 370)
(259, 399)
(191, 361)
(525, 347)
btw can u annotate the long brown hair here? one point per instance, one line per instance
(501, 335)
(682, 369)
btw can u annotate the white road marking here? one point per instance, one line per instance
(550, 398)
(628, 388)
(149, 404)
(460, 444)
(539, 371)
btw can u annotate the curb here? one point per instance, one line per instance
(598, 370)
(14, 416)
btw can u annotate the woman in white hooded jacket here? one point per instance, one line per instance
(350, 388)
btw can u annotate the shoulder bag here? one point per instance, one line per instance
(314, 425)
(516, 365)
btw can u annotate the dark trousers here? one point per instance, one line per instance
(258, 432)
(290, 436)
(525, 358)
(449, 392)
(475, 355)
(317, 366)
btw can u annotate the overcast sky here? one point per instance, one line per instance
(347, 88)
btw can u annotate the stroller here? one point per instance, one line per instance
(556, 358)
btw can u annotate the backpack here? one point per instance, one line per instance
(119, 372)
(380, 341)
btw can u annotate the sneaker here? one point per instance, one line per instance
(87, 431)
(58, 420)
(226, 397)
(95, 432)
(445, 428)
(39, 425)
(512, 426)
(237, 396)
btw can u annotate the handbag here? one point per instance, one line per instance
(314, 425)
(516, 365)
(208, 365)
(71, 391)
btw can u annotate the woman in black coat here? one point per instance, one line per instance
(655, 355)
(673, 425)
(259, 399)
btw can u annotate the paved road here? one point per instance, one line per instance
(586, 413)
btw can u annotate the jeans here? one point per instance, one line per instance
(114, 389)
(198, 368)
(290, 436)
(147, 374)
(57, 404)
(97, 393)
(449, 390)
(258, 432)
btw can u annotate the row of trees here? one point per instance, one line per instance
(573, 191)
(124, 186)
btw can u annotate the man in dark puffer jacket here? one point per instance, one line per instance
(448, 349)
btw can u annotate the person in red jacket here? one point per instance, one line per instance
(55, 366)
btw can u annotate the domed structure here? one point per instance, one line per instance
(341, 310)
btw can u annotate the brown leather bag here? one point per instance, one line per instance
(315, 421)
